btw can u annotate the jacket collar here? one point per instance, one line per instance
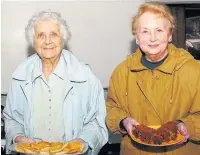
(60, 68)
(58, 71)
(37, 70)
(76, 70)
(168, 65)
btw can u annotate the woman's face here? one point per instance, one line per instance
(153, 34)
(48, 40)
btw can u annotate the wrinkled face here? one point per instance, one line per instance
(48, 41)
(153, 34)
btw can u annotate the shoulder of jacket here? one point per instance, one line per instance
(25, 68)
(193, 65)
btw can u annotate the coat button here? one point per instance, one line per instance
(157, 78)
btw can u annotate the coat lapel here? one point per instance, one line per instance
(145, 87)
(27, 90)
(68, 114)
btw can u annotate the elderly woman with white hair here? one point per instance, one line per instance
(53, 96)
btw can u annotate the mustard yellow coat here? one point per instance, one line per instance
(153, 97)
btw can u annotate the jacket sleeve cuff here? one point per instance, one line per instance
(121, 130)
(190, 126)
(16, 131)
(10, 136)
(91, 138)
(19, 134)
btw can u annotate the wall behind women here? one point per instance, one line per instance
(101, 33)
(181, 1)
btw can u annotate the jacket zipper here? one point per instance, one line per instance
(152, 74)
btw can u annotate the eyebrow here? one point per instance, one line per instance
(148, 29)
(49, 32)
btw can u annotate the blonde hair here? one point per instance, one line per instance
(157, 8)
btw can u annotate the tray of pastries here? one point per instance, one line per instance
(43, 147)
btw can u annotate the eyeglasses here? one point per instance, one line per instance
(51, 37)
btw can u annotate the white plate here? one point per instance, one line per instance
(12, 148)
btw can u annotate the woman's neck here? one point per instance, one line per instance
(48, 66)
(156, 58)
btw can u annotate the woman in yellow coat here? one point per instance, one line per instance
(156, 84)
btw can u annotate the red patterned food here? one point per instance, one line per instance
(144, 133)
(165, 133)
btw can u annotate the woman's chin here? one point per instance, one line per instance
(48, 57)
(153, 52)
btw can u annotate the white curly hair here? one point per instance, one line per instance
(47, 15)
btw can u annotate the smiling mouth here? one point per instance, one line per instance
(49, 48)
(154, 45)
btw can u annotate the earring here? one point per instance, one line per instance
(137, 41)
(170, 39)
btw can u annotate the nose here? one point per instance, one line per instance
(153, 36)
(48, 39)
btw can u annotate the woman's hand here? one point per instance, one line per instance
(129, 124)
(183, 131)
(23, 139)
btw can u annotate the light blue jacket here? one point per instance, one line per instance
(84, 108)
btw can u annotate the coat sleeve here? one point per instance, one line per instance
(115, 111)
(192, 121)
(116, 100)
(94, 131)
(13, 115)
